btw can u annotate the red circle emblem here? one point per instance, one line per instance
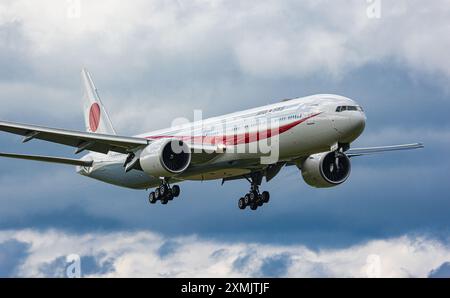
(94, 117)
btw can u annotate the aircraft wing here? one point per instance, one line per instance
(59, 160)
(373, 150)
(101, 143)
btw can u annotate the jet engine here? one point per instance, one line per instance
(165, 158)
(326, 169)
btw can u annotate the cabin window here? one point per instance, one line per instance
(348, 108)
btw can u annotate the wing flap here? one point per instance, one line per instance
(51, 159)
(87, 141)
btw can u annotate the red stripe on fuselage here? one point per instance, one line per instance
(239, 139)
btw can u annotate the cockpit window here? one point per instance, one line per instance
(349, 108)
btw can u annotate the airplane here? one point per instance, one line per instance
(312, 133)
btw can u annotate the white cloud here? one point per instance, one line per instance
(137, 254)
(30, 99)
(267, 39)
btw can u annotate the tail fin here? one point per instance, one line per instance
(95, 115)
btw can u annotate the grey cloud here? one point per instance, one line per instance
(220, 253)
(168, 248)
(442, 271)
(54, 269)
(14, 52)
(276, 266)
(241, 263)
(12, 255)
(94, 265)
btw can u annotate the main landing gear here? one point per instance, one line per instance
(254, 198)
(164, 193)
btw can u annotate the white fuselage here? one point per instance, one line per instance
(304, 126)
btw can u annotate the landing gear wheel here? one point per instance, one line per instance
(175, 191)
(253, 196)
(241, 204)
(260, 201)
(169, 195)
(151, 198)
(163, 190)
(265, 197)
(164, 193)
(247, 199)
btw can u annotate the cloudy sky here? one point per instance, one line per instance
(157, 60)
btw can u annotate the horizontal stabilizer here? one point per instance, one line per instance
(59, 160)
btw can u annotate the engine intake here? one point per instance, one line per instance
(165, 158)
(326, 169)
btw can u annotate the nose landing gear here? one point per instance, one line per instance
(164, 193)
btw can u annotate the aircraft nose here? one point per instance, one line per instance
(358, 122)
(350, 126)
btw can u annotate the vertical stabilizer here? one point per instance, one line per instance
(95, 115)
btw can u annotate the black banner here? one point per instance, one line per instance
(224, 287)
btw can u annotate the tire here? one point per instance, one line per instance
(162, 190)
(260, 202)
(169, 195)
(265, 197)
(241, 204)
(157, 194)
(176, 191)
(151, 198)
(253, 206)
(164, 201)
(247, 200)
(253, 196)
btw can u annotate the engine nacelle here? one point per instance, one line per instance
(326, 169)
(165, 158)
